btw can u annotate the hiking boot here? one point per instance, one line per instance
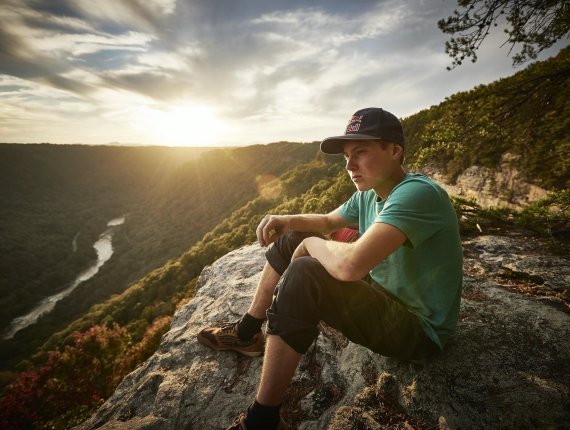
(239, 424)
(225, 338)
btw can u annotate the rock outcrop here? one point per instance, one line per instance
(508, 366)
(503, 186)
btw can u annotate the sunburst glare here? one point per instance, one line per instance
(184, 125)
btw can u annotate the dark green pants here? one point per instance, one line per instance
(362, 310)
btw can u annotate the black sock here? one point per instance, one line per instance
(260, 417)
(248, 327)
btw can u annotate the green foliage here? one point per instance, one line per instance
(549, 217)
(526, 115)
(171, 198)
(49, 194)
(473, 219)
(240, 227)
(65, 390)
(534, 25)
(119, 327)
(158, 293)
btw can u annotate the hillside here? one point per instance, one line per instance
(53, 194)
(170, 197)
(526, 115)
(452, 136)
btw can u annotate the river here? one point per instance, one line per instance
(104, 248)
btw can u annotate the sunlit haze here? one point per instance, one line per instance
(216, 73)
(183, 125)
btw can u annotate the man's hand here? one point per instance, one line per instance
(271, 228)
(300, 251)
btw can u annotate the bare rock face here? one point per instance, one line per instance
(507, 367)
(503, 186)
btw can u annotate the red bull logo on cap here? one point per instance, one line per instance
(354, 124)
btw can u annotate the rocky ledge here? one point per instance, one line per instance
(508, 366)
(503, 186)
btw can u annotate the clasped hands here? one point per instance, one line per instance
(271, 228)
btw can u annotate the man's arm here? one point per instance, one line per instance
(272, 227)
(352, 261)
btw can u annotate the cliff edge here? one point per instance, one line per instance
(508, 366)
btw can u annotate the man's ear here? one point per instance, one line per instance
(397, 151)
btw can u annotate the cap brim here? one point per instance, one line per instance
(333, 145)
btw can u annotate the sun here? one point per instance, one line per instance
(184, 126)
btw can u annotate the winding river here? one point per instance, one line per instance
(104, 248)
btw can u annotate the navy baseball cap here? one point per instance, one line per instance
(369, 123)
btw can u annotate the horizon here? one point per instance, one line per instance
(174, 74)
(153, 145)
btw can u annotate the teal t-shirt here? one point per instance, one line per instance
(426, 273)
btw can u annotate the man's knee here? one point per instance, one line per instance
(294, 312)
(296, 237)
(279, 253)
(305, 266)
(300, 283)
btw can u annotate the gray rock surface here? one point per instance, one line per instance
(507, 366)
(502, 186)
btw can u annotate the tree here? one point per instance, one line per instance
(535, 25)
(65, 390)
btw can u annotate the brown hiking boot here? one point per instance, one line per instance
(225, 338)
(239, 424)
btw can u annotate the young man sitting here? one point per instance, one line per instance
(396, 290)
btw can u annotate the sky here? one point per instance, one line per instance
(223, 72)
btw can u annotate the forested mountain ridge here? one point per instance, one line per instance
(53, 194)
(171, 197)
(527, 115)
(449, 135)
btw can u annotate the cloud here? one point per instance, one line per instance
(313, 54)
(163, 60)
(303, 43)
(77, 45)
(155, 85)
(17, 59)
(30, 111)
(142, 14)
(273, 70)
(330, 29)
(37, 45)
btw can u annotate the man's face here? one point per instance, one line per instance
(369, 163)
